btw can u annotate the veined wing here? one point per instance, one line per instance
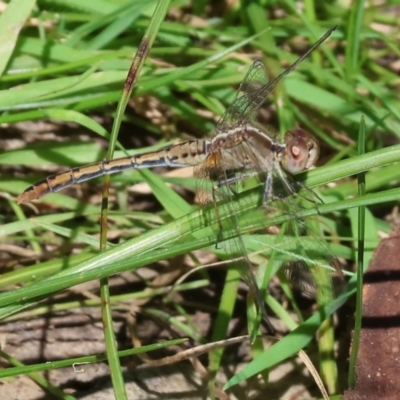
(263, 92)
(227, 168)
(258, 154)
(255, 79)
(256, 88)
(298, 248)
(310, 265)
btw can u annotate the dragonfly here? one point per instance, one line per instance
(238, 150)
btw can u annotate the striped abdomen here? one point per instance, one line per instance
(190, 153)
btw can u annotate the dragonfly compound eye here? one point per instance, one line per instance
(302, 150)
(297, 150)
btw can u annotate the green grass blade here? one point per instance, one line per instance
(133, 74)
(360, 264)
(354, 40)
(12, 20)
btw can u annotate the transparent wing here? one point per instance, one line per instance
(226, 177)
(300, 250)
(263, 92)
(246, 98)
(255, 89)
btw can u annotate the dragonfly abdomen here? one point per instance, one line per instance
(190, 153)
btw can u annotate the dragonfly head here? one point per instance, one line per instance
(302, 151)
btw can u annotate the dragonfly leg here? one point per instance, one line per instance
(303, 186)
(268, 188)
(219, 233)
(229, 181)
(290, 187)
(268, 192)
